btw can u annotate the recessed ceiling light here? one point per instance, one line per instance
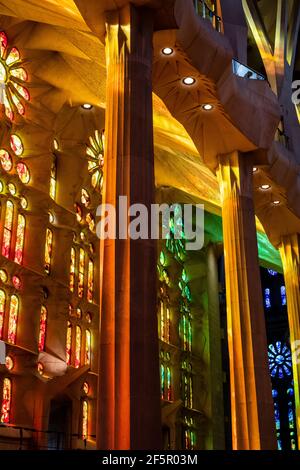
(265, 186)
(189, 80)
(207, 107)
(87, 106)
(167, 51)
(255, 169)
(276, 203)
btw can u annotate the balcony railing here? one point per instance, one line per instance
(203, 10)
(244, 71)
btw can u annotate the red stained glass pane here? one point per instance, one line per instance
(2, 311)
(13, 319)
(6, 401)
(43, 327)
(20, 239)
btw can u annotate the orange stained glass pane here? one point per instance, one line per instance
(13, 319)
(22, 91)
(13, 56)
(90, 291)
(20, 73)
(69, 343)
(88, 347)
(2, 311)
(3, 43)
(16, 145)
(72, 269)
(85, 417)
(52, 191)
(6, 160)
(78, 347)
(23, 173)
(81, 273)
(48, 250)
(20, 239)
(6, 401)
(7, 233)
(43, 327)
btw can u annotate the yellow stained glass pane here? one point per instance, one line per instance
(6, 401)
(20, 239)
(2, 310)
(13, 319)
(78, 347)
(48, 250)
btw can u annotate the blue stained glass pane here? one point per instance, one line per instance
(280, 373)
(273, 372)
(272, 349)
(290, 392)
(278, 346)
(274, 393)
(267, 298)
(291, 418)
(283, 295)
(272, 273)
(286, 370)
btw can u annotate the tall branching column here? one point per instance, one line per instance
(251, 399)
(129, 400)
(290, 255)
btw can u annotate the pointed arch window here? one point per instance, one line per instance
(187, 385)
(7, 232)
(20, 239)
(81, 273)
(13, 319)
(72, 269)
(78, 347)
(88, 347)
(52, 191)
(43, 328)
(85, 419)
(90, 291)
(69, 343)
(6, 401)
(2, 310)
(48, 250)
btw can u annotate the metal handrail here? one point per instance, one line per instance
(202, 9)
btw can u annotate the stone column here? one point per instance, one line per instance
(250, 385)
(290, 255)
(129, 415)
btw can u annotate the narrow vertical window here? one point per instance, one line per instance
(162, 381)
(69, 343)
(48, 250)
(13, 319)
(72, 269)
(88, 347)
(81, 273)
(43, 327)
(6, 401)
(2, 311)
(20, 239)
(267, 298)
(52, 191)
(78, 347)
(283, 295)
(169, 386)
(162, 321)
(90, 292)
(7, 233)
(85, 419)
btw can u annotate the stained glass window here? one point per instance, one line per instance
(69, 343)
(12, 78)
(280, 360)
(52, 190)
(85, 417)
(7, 233)
(6, 160)
(187, 385)
(20, 239)
(43, 327)
(23, 173)
(3, 276)
(283, 295)
(6, 401)
(267, 298)
(175, 242)
(81, 273)
(72, 269)
(2, 310)
(16, 145)
(88, 346)
(78, 213)
(169, 385)
(16, 282)
(95, 154)
(85, 198)
(12, 189)
(78, 347)
(9, 363)
(13, 319)
(90, 291)
(162, 380)
(48, 250)
(189, 434)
